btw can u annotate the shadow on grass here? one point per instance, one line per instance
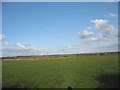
(104, 81)
(108, 80)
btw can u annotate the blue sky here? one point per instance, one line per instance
(58, 28)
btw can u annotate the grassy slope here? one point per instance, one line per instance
(79, 72)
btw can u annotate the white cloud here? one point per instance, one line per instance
(26, 47)
(20, 46)
(89, 28)
(108, 33)
(110, 30)
(19, 49)
(2, 36)
(69, 46)
(32, 49)
(100, 37)
(68, 49)
(85, 33)
(6, 43)
(100, 23)
(113, 15)
(104, 26)
(111, 46)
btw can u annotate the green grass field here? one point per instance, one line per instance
(77, 72)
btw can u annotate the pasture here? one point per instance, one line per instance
(84, 71)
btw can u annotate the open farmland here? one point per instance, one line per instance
(82, 71)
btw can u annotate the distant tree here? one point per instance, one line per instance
(77, 55)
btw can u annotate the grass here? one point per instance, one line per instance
(76, 72)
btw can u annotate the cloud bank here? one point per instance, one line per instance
(100, 37)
